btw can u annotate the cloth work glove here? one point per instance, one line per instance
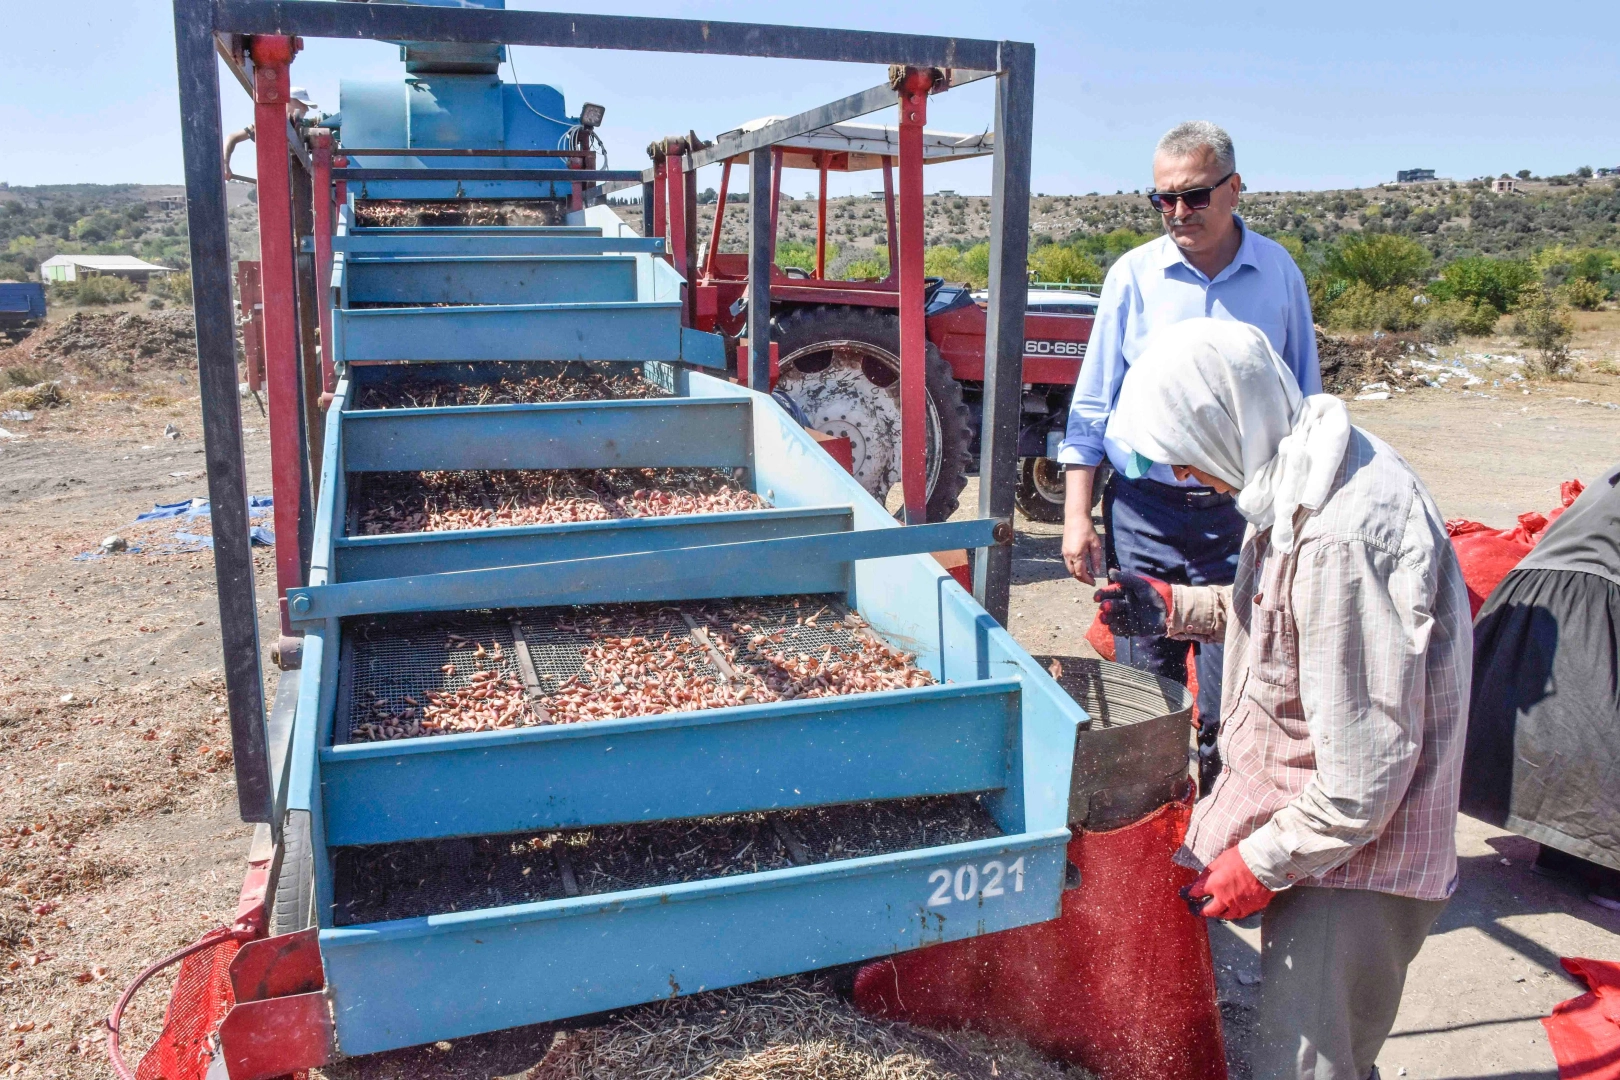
(1227, 889)
(1134, 605)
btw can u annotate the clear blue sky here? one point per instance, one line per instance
(1315, 95)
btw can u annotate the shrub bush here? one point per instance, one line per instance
(177, 286)
(1581, 293)
(1445, 320)
(104, 290)
(1362, 307)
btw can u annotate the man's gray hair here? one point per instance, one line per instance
(1186, 140)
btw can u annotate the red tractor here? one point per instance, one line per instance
(837, 342)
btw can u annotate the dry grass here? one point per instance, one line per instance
(787, 1029)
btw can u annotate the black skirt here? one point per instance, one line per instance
(1543, 751)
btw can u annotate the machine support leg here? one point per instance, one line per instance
(1004, 332)
(913, 333)
(272, 57)
(647, 199)
(221, 407)
(323, 253)
(761, 252)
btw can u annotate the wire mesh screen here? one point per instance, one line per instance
(407, 677)
(395, 664)
(437, 385)
(414, 880)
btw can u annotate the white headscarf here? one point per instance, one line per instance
(1214, 394)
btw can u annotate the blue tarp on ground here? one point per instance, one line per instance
(259, 509)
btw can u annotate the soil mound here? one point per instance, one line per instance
(112, 345)
(1348, 364)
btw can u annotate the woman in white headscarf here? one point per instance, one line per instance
(1345, 698)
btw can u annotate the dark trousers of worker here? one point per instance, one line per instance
(1332, 967)
(1185, 536)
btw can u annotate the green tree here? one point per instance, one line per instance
(1064, 265)
(977, 261)
(944, 261)
(1379, 260)
(1495, 281)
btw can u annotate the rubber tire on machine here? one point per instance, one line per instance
(1036, 486)
(869, 339)
(294, 906)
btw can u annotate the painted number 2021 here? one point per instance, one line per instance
(968, 882)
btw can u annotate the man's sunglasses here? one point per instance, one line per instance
(1196, 198)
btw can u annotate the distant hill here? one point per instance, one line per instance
(1451, 219)
(146, 220)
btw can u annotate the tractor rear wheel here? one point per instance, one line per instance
(294, 906)
(841, 365)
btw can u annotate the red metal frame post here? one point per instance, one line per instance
(913, 331)
(821, 219)
(675, 203)
(709, 263)
(324, 219)
(272, 58)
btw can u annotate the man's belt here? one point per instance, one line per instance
(1194, 498)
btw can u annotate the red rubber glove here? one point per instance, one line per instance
(1134, 605)
(1230, 888)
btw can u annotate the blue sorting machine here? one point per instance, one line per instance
(471, 882)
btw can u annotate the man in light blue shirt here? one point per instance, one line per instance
(1208, 263)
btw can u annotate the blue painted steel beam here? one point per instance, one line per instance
(473, 230)
(361, 558)
(685, 432)
(635, 331)
(797, 564)
(935, 740)
(420, 980)
(362, 174)
(527, 279)
(385, 242)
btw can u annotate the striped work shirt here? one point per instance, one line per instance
(1348, 666)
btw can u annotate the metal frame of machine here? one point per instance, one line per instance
(1017, 758)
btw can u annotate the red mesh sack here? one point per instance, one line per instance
(1488, 555)
(201, 998)
(1584, 1032)
(1121, 982)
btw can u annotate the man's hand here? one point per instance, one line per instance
(1082, 547)
(1228, 888)
(1134, 605)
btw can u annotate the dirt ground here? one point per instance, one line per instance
(118, 834)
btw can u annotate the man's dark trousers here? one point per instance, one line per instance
(1185, 536)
